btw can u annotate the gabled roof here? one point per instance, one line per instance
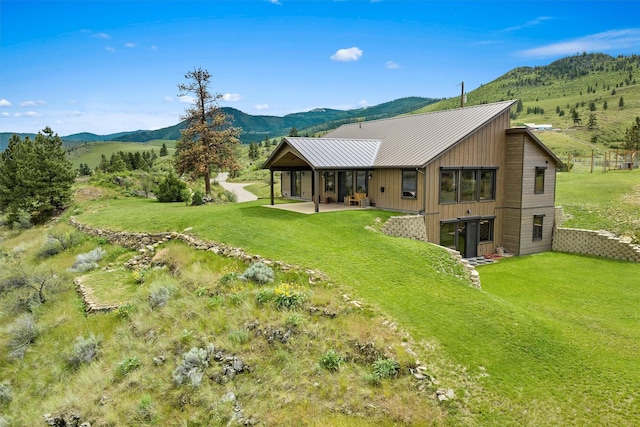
(407, 141)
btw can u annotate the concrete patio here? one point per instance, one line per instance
(309, 207)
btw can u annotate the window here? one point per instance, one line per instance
(486, 230)
(539, 183)
(409, 184)
(467, 185)
(329, 182)
(487, 184)
(361, 182)
(537, 227)
(448, 234)
(448, 186)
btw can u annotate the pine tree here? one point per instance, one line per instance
(621, 103)
(208, 142)
(35, 176)
(632, 136)
(163, 150)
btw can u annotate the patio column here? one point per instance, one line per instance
(271, 182)
(315, 191)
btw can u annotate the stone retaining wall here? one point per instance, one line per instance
(590, 242)
(408, 226)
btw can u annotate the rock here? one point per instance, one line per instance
(229, 397)
(159, 361)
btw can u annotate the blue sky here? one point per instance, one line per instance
(111, 66)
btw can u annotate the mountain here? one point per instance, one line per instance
(257, 128)
(592, 85)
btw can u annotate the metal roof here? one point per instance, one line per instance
(325, 153)
(414, 140)
(407, 141)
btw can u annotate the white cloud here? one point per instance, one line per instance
(101, 36)
(276, 2)
(4, 103)
(614, 39)
(392, 65)
(110, 49)
(73, 113)
(32, 103)
(130, 45)
(528, 24)
(5, 114)
(154, 47)
(72, 102)
(231, 97)
(28, 114)
(168, 99)
(261, 107)
(347, 55)
(186, 99)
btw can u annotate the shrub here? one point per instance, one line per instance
(21, 221)
(6, 393)
(22, 333)
(170, 189)
(85, 350)
(293, 320)
(288, 296)
(258, 272)
(239, 336)
(139, 276)
(230, 196)
(125, 311)
(197, 198)
(88, 261)
(127, 365)
(159, 297)
(193, 365)
(264, 295)
(385, 368)
(187, 196)
(330, 361)
(227, 278)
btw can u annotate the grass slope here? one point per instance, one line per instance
(519, 359)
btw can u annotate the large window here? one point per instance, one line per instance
(448, 234)
(409, 184)
(329, 182)
(448, 186)
(467, 185)
(539, 183)
(537, 227)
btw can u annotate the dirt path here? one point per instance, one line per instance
(237, 188)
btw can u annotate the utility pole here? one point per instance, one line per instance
(462, 96)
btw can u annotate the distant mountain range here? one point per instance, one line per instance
(257, 128)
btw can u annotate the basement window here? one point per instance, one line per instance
(538, 221)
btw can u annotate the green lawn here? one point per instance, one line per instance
(601, 201)
(523, 362)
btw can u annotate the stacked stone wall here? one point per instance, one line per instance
(408, 226)
(596, 243)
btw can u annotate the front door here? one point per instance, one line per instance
(345, 185)
(296, 183)
(470, 239)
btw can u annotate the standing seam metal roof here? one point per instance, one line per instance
(407, 141)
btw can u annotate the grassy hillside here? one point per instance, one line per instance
(569, 83)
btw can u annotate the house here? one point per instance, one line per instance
(478, 183)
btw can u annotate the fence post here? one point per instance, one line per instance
(591, 161)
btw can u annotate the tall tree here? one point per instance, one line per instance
(632, 136)
(293, 132)
(163, 150)
(209, 141)
(35, 176)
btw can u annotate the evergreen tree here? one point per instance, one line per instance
(593, 123)
(621, 103)
(35, 176)
(163, 150)
(208, 142)
(293, 132)
(575, 116)
(605, 105)
(632, 136)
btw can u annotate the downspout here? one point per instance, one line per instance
(316, 189)
(271, 184)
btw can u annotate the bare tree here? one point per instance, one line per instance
(208, 142)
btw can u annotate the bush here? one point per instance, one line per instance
(170, 189)
(264, 295)
(385, 368)
(330, 361)
(193, 365)
(85, 350)
(127, 365)
(21, 221)
(258, 272)
(22, 333)
(6, 393)
(198, 198)
(125, 311)
(159, 297)
(289, 297)
(230, 196)
(59, 242)
(88, 261)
